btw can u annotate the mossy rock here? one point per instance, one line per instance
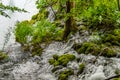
(64, 59)
(94, 49)
(89, 47)
(112, 38)
(65, 74)
(3, 56)
(81, 68)
(61, 60)
(108, 52)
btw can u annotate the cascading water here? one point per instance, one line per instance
(22, 66)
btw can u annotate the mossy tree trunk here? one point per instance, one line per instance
(70, 22)
(118, 4)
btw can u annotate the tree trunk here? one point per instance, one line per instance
(118, 5)
(70, 22)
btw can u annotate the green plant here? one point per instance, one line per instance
(44, 31)
(23, 31)
(102, 14)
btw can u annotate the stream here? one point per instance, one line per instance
(22, 66)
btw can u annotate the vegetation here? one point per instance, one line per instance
(3, 9)
(65, 74)
(61, 60)
(81, 68)
(100, 18)
(3, 56)
(96, 49)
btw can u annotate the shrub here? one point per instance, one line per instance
(44, 31)
(101, 14)
(23, 31)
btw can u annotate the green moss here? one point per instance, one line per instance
(89, 47)
(94, 49)
(65, 74)
(3, 56)
(116, 32)
(64, 59)
(39, 16)
(55, 56)
(113, 38)
(26, 48)
(61, 60)
(51, 61)
(108, 52)
(81, 68)
(56, 63)
(38, 52)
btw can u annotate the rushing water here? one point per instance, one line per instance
(7, 24)
(22, 66)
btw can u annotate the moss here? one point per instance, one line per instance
(55, 57)
(56, 63)
(81, 68)
(116, 32)
(65, 74)
(89, 47)
(114, 39)
(108, 52)
(3, 56)
(26, 48)
(61, 60)
(64, 59)
(37, 17)
(51, 61)
(38, 52)
(94, 49)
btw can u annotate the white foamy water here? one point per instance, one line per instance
(7, 23)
